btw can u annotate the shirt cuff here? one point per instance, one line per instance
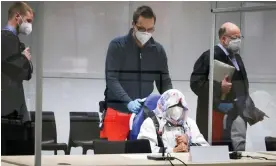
(169, 150)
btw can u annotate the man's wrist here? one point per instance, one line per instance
(127, 102)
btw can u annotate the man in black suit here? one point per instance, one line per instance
(227, 51)
(16, 67)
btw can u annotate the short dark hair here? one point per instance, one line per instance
(144, 11)
(19, 7)
(221, 32)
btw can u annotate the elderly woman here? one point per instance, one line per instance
(176, 130)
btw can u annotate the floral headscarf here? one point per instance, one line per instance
(168, 99)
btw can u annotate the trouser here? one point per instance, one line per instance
(115, 125)
(238, 134)
(17, 138)
(235, 127)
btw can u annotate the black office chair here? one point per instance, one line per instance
(49, 133)
(119, 147)
(270, 143)
(84, 129)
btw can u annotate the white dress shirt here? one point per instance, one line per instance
(233, 59)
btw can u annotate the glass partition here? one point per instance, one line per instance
(251, 94)
(257, 53)
(74, 64)
(81, 45)
(18, 98)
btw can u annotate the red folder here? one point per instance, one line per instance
(217, 126)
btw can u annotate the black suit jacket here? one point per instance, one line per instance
(199, 84)
(15, 68)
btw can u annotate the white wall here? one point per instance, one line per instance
(72, 37)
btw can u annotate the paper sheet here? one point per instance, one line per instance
(136, 156)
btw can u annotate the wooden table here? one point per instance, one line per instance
(131, 160)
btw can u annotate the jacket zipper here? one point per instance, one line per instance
(140, 75)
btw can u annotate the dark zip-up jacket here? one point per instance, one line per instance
(130, 71)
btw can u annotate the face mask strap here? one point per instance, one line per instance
(22, 19)
(172, 123)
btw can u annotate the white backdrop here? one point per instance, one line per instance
(75, 35)
(91, 27)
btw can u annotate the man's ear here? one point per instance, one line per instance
(222, 39)
(17, 16)
(133, 24)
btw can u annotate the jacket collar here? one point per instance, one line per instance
(223, 49)
(11, 29)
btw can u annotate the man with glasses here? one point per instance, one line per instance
(133, 63)
(227, 51)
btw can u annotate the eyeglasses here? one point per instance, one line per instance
(26, 19)
(235, 37)
(179, 104)
(142, 29)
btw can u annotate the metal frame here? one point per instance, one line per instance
(39, 75)
(39, 90)
(211, 78)
(243, 9)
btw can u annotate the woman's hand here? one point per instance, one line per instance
(182, 139)
(181, 148)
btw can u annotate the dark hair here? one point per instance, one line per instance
(221, 32)
(19, 7)
(144, 11)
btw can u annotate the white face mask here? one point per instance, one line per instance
(143, 37)
(234, 45)
(25, 28)
(175, 113)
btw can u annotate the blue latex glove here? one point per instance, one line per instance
(225, 107)
(134, 106)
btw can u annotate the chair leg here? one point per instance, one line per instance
(69, 150)
(55, 152)
(84, 151)
(66, 151)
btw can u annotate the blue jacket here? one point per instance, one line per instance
(130, 71)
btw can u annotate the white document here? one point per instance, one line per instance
(209, 154)
(221, 70)
(135, 156)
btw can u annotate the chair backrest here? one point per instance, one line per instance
(138, 146)
(49, 131)
(150, 103)
(270, 143)
(108, 147)
(119, 147)
(84, 126)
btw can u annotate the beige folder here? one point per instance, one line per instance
(221, 70)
